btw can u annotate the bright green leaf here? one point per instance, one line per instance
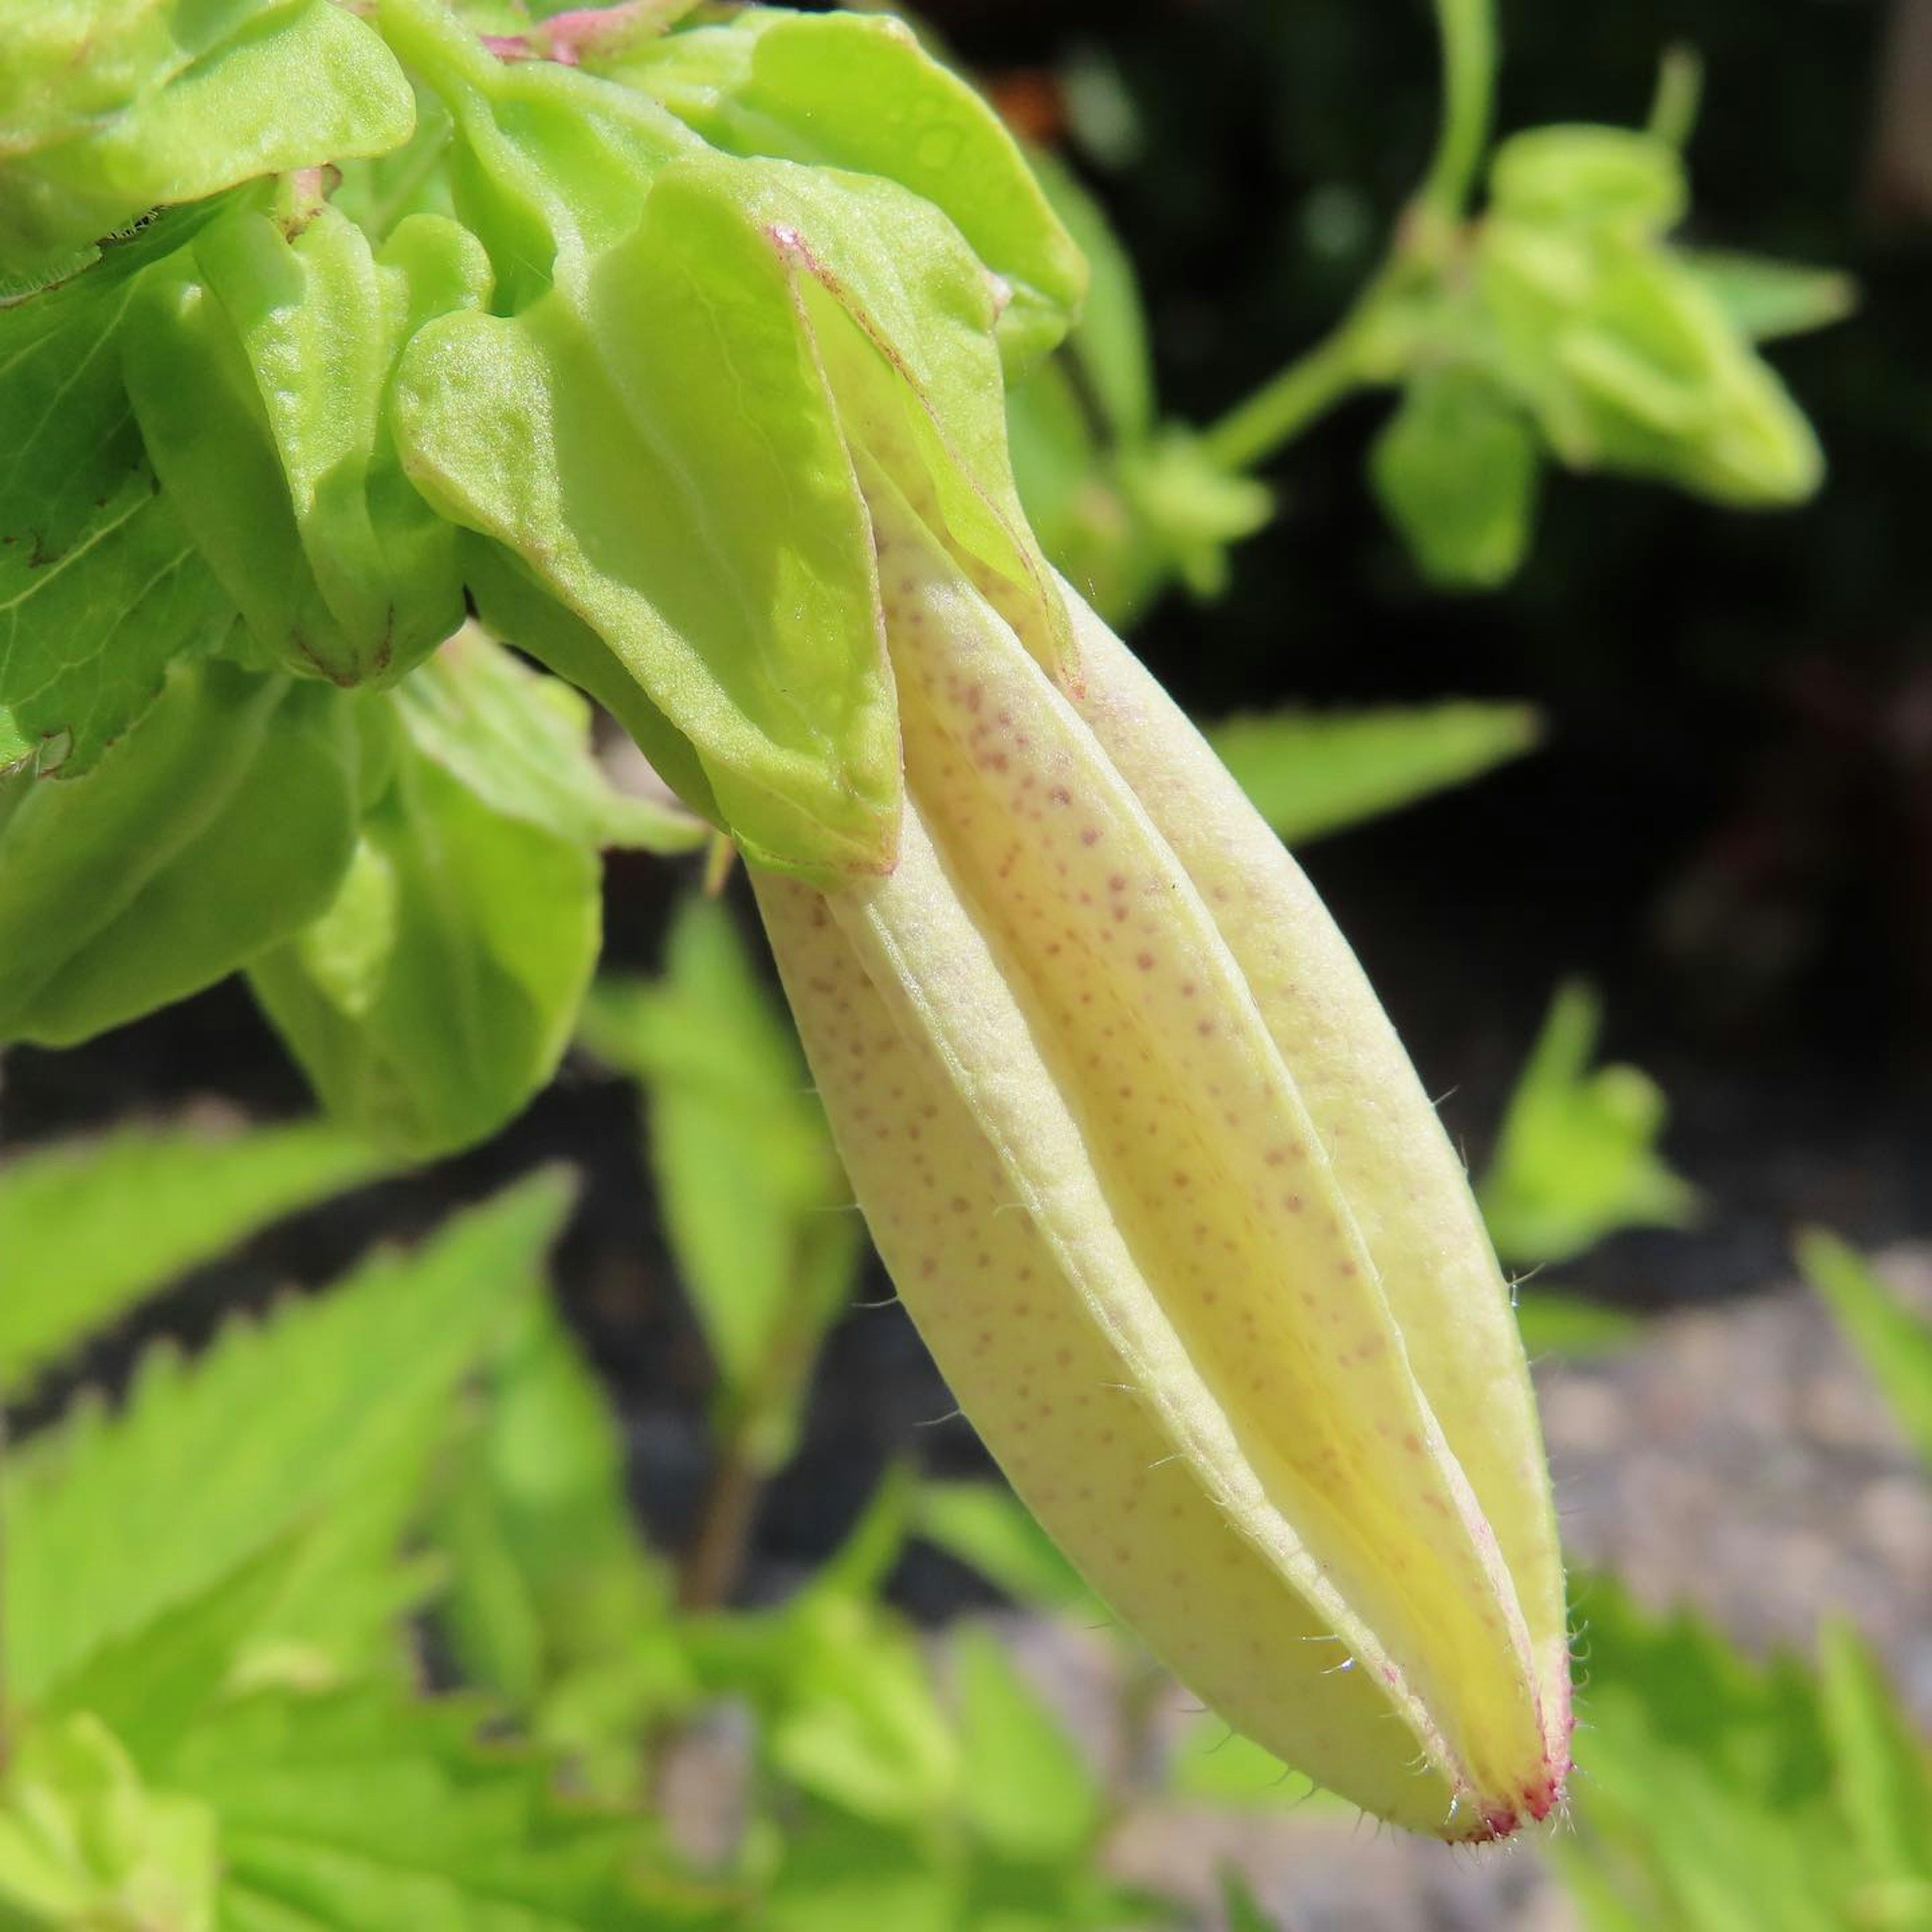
(1884, 1768)
(1026, 1789)
(1456, 469)
(433, 998)
(1705, 1800)
(1310, 773)
(1576, 1158)
(1215, 1766)
(218, 826)
(89, 1227)
(112, 111)
(1894, 1343)
(362, 1812)
(259, 362)
(84, 1843)
(1566, 1326)
(521, 742)
(115, 1518)
(756, 1204)
(855, 92)
(1238, 1903)
(986, 1526)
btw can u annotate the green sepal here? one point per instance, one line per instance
(547, 165)
(111, 111)
(1456, 469)
(1620, 180)
(858, 92)
(216, 827)
(259, 369)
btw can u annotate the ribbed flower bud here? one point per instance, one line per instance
(1159, 1187)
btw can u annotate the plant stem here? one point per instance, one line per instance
(716, 1557)
(1288, 402)
(1312, 385)
(1468, 31)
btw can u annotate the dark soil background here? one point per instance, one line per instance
(1730, 829)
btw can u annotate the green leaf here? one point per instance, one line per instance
(1765, 300)
(432, 999)
(259, 362)
(756, 1206)
(1212, 1765)
(858, 1723)
(1706, 1803)
(1554, 1323)
(553, 1598)
(1894, 1343)
(115, 1518)
(362, 1812)
(90, 1228)
(859, 93)
(84, 1843)
(112, 110)
(1310, 773)
(1238, 1904)
(218, 826)
(1576, 1158)
(521, 742)
(86, 638)
(840, 1873)
(1884, 1772)
(1456, 469)
(1026, 1790)
(986, 1527)
(83, 643)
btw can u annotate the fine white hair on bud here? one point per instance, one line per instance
(1123, 1115)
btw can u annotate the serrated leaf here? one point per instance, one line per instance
(83, 1843)
(1456, 469)
(1576, 1158)
(1026, 1790)
(90, 1228)
(986, 1527)
(755, 1200)
(218, 826)
(553, 1598)
(432, 1000)
(112, 111)
(365, 1812)
(521, 742)
(1312, 773)
(1894, 1343)
(114, 1519)
(1708, 1803)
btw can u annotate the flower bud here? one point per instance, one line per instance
(1163, 1195)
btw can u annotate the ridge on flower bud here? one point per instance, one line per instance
(1159, 1187)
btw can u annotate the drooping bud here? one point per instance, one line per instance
(1159, 1187)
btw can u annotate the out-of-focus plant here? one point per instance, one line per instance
(1560, 323)
(1721, 1793)
(1576, 1158)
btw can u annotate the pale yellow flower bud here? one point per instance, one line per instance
(1158, 1184)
